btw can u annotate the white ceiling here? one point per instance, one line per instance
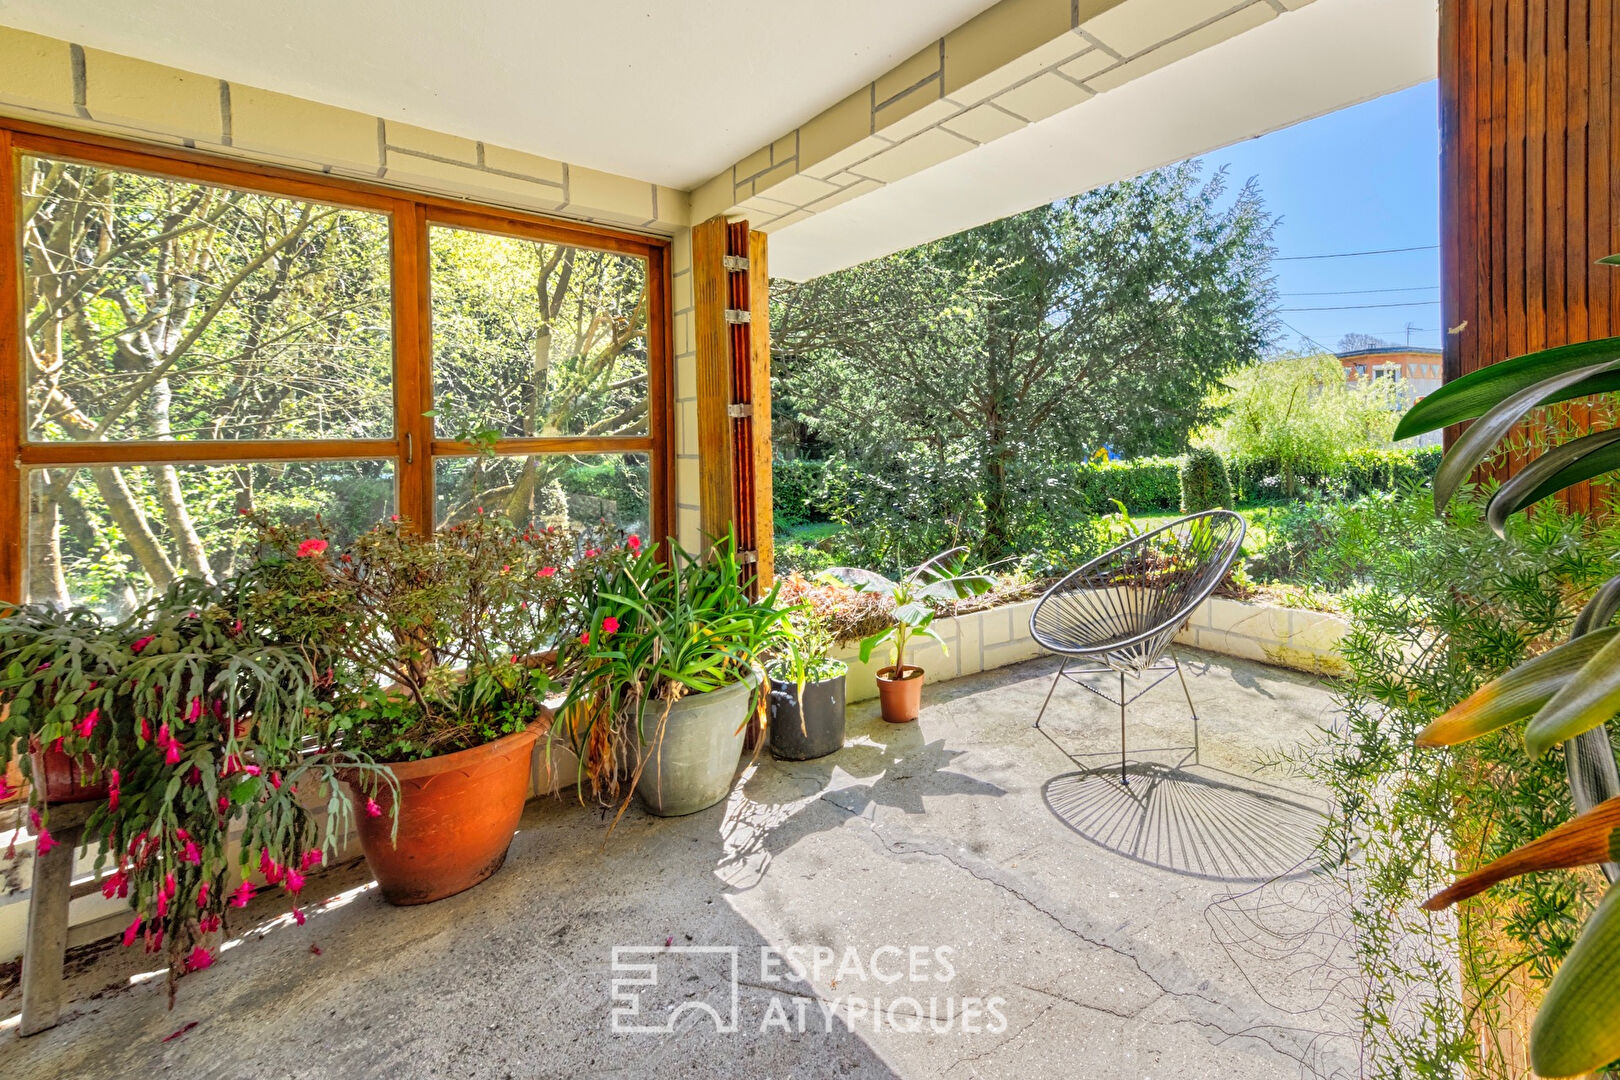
(1328, 55)
(671, 91)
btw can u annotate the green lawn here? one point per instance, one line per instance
(1258, 515)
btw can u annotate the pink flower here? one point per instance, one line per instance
(142, 643)
(585, 638)
(208, 923)
(202, 895)
(162, 905)
(192, 854)
(5, 789)
(591, 552)
(298, 913)
(610, 625)
(171, 756)
(113, 781)
(44, 842)
(224, 803)
(294, 880)
(199, 959)
(633, 543)
(132, 932)
(547, 571)
(146, 730)
(311, 860)
(115, 884)
(195, 711)
(243, 894)
(88, 724)
(311, 547)
(269, 867)
(506, 569)
(275, 780)
(372, 809)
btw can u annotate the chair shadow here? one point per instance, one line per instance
(1190, 823)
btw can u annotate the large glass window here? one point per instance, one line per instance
(194, 342)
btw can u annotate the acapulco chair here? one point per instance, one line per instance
(1119, 612)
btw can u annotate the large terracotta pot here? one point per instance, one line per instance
(457, 814)
(900, 698)
(62, 778)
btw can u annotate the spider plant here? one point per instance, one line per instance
(1567, 693)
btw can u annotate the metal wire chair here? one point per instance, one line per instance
(1120, 610)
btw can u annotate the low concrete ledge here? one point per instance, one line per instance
(984, 640)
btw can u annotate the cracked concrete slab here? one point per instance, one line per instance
(965, 896)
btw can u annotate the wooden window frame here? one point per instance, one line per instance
(414, 447)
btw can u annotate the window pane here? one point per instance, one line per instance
(157, 308)
(109, 536)
(534, 339)
(572, 490)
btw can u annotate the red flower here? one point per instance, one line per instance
(298, 913)
(141, 643)
(208, 923)
(610, 625)
(546, 571)
(192, 854)
(590, 552)
(44, 841)
(5, 790)
(132, 932)
(113, 781)
(312, 546)
(633, 543)
(311, 860)
(88, 724)
(199, 959)
(202, 895)
(585, 638)
(294, 880)
(243, 893)
(115, 884)
(372, 809)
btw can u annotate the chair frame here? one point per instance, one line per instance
(1143, 652)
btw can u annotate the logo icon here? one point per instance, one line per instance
(653, 985)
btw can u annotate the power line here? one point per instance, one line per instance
(1353, 254)
(1364, 307)
(1361, 292)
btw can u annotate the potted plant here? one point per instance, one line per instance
(938, 580)
(200, 729)
(807, 692)
(441, 644)
(667, 677)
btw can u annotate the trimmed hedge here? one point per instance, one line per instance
(1364, 472)
(1204, 482)
(1141, 484)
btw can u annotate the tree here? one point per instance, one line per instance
(995, 357)
(1353, 342)
(1300, 414)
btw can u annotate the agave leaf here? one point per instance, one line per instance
(1561, 467)
(1590, 697)
(1475, 444)
(1475, 393)
(1517, 695)
(1591, 838)
(1599, 610)
(1577, 1030)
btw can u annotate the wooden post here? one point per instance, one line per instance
(759, 283)
(45, 949)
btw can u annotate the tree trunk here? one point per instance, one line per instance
(46, 582)
(138, 535)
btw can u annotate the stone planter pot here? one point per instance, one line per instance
(692, 766)
(457, 813)
(817, 730)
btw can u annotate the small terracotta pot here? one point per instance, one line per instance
(62, 778)
(901, 697)
(457, 814)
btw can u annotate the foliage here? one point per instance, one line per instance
(1578, 1026)
(796, 491)
(1439, 608)
(437, 640)
(1204, 483)
(201, 723)
(938, 580)
(847, 614)
(658, 628)
(1301, 413)
(961, 376)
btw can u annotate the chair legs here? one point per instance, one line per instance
(1055, 680)
(1190, 706)
(1123, 701)
(1125, 781)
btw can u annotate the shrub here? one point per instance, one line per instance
(1204, 483)
(1141, 484)
(797, 495)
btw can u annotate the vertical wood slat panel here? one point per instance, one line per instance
(11, 384)
(760, 361)
(713, 363)
(413, 367)
(1529, 157)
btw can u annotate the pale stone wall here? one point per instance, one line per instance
(64, 84)
(684, 444)
(1014, 64)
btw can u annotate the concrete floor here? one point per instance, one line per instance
(1061, 926)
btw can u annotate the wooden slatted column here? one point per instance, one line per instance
(731, 293)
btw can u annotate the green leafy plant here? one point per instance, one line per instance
(1566, 694)
(203, 725)
(658, 627)
(1204, 482)
(939, 580)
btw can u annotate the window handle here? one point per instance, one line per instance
(410, 448)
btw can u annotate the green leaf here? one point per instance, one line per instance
(862, 580)
(1475, 393)
(1610, 260)
(1563, 466)
(1475, 444)
(1577, 1029)
(1517, 695)
(1599, 611)
(1591, 696)
(868, 644)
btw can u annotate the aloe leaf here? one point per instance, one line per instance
(1475, 444)
(1590, 697)
(1591, 838)
(1599, 610)
(1577, 1029)
(1517, 695)
(1474, 394)
(1563, 466)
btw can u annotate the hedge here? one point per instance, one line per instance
(1364, 472)
(1205, 484)
(1141, 484)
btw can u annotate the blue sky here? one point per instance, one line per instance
(1364, 178)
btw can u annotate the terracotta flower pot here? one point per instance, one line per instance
(457, 814)
(901, 697)
(62, 778)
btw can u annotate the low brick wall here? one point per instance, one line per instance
(1287, 637)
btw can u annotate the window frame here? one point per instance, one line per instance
(414, 446)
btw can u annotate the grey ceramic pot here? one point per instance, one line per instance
(818, 730)
(691, 768)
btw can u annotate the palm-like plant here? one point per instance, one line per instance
(1568, 693)
(939, 579)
